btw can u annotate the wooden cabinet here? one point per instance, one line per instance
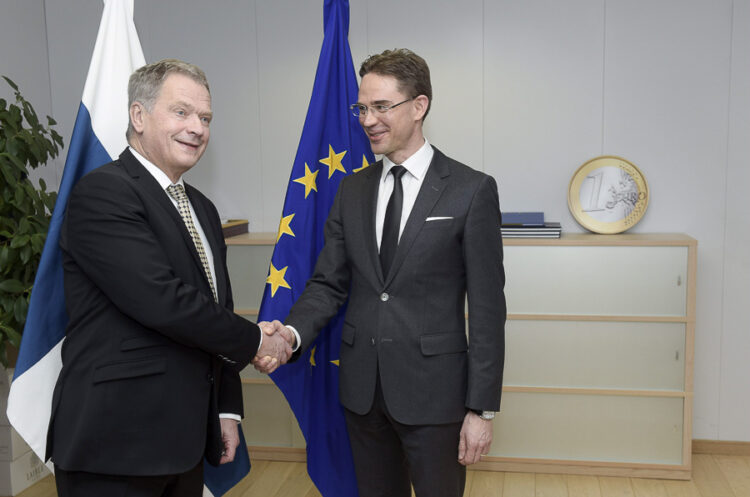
(599, 356)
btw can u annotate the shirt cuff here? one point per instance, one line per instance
(225, 415)
(297, 340)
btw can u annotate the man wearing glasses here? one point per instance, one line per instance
(407, 241)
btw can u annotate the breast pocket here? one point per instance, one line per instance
(438, 223)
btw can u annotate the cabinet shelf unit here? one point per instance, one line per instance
(599, 356)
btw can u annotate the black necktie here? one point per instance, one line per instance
(392, 222)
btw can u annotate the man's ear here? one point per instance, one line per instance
(137, 115)
(420, 106)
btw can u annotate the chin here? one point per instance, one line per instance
(187, 163)
(192, 157)
(378, 148)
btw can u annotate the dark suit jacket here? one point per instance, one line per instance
(410, 324)
(149, 358)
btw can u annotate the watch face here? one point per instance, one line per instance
(608, 194)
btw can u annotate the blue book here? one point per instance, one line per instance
(523, 219)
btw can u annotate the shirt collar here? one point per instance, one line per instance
(417, 164)
(159, 175)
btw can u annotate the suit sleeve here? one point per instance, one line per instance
(230, 386)
(328, 287)
(108, 234)
(485, 280)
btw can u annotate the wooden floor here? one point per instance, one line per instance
(713, 476)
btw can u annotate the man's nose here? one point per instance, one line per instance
(368, 119)
(195, 125)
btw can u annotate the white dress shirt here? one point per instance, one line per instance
(416, 169)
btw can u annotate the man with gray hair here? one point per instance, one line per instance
(150, 378)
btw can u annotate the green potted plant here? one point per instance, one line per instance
(25, 211)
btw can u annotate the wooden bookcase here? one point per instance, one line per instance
(599, 356)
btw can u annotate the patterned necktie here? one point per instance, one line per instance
(392, 221)
(177, 192)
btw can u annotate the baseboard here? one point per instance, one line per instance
(699, 447)
(721, 447)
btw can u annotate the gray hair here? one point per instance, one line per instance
(146, 82)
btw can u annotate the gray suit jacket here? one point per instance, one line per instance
(410, 324)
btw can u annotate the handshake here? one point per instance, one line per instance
(276, 348)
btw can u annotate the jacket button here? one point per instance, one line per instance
(384, 297)
(210, 378)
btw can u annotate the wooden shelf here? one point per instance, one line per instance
(574, 239)
(252, 239)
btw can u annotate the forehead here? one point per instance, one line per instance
(377, 87)
(179, 87)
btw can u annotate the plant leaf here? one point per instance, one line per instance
(19, 241)
(11, 83)
(14, 160)
(20, 309)
(11, 286)
(10, 178)
(13, 336)
(26, 253)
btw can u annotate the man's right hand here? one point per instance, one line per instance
(276, 348)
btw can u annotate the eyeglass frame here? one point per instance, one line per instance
(381, 109)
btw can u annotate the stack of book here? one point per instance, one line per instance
(528, 225)
(233, 227)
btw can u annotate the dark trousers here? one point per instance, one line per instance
(389, 456)
(83, 484)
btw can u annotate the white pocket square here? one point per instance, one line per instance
(438, 218)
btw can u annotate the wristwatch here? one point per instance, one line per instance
(486, 415)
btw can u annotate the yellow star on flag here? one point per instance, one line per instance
(333, 161)
(308, 180)
(312, 358)
(364, 164)
(284, 228)
(276, 279)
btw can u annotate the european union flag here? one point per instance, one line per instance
(332, 146)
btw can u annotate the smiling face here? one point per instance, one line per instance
(174, 134)
(396, 133)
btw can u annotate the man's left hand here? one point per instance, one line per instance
(230, 437)
(476, 437)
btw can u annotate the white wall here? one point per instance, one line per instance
(731, 327)
(23, 59)
(524, 90)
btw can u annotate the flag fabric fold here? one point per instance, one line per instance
(332, 145)
(98, 135)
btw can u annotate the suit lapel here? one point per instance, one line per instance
(432, 188)
(369, 208)
(149, 185)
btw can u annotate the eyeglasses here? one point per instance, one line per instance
(361, 110)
